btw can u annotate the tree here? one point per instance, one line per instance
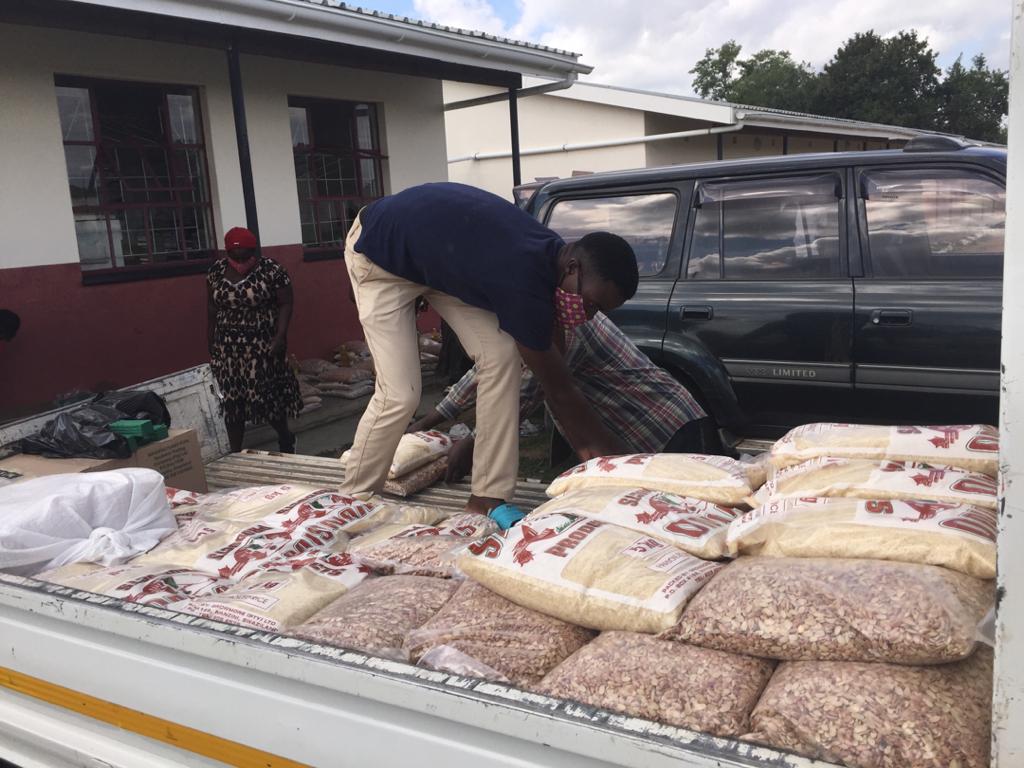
(772, 79)
(890, 80)
(973, 102)
(715, 73)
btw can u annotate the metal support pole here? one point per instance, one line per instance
(242, 138)
(513, 117)
(719, 148)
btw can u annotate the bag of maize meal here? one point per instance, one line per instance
(866, 479)
(414, 450)
(972, 447)
(681, 685)
(587, 572)
(694, 526)
(480, 634)
(280, 595)
(376, 616)
(153, 585)
(717, 479)
(880, 715)
(423, 550)
(803, 609)
(957, 536)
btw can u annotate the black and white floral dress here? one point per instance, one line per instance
(257, 386)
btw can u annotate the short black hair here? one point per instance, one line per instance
(9, 324)
(613, 259)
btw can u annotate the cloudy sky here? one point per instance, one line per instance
(652, 44)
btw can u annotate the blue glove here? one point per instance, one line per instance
(506, 515)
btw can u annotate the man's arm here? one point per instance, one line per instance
(584, 430)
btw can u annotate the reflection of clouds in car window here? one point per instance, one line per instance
(645, 221)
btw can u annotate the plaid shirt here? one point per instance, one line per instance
(634, 398)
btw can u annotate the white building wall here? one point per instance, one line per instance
(544, 121)
(35, 204)
(749, 144)
(799, 145)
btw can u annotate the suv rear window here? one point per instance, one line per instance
(645, 221)
(766, 229)
(934, 223)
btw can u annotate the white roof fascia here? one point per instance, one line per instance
(824, 125)
(332, 21)
(645, 101)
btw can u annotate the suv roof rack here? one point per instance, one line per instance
(935, 144)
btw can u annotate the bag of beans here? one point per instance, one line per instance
(376, 616)
(424, 550)
(972, 447)
(694, 526)
(414, 450)
(865, 479)
(838, 610)
(880, 715)
(481, 634)
(280, 595)
(682, 685)
(418, 479)
(957, 536)
(587, 572)
(153, 585)
(716, 479)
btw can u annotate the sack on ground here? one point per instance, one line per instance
(376, 616)
(957, 536)
(154, 585)
(481, 634)
(587, 572)
(694, 526)
(278, 596)
(838, 610)
(880, 715)
(418, 479)
(348, 375)
(414, 450)
(865, 479)
(973, 447)
(682, 685)
(718, 479)
(423, 550)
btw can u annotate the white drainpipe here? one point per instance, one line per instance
(600, 144)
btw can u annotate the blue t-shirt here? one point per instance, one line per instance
(472, 245)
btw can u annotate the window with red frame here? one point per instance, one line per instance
(137, 173)
(338, 166)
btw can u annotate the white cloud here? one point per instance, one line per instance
(654, 44)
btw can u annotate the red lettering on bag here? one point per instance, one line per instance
(982, 486)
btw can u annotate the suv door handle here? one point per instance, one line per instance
(702, 312)
(892, 317)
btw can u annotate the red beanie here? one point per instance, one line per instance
(239, 237)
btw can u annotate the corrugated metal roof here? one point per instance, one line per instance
(429, 25)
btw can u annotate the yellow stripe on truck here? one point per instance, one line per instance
(176, 735)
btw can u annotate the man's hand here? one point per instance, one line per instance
(429, 421)
(460, 460)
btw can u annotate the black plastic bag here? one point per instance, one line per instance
(137, 404)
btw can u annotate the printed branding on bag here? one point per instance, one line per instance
(940, 517)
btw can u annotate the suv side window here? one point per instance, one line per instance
(645, 221)
(766, 229)
(934, 223)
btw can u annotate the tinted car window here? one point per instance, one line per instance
(645, 221)
(768, 229)
(934, 223)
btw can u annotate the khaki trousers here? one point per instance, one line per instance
(386, 305)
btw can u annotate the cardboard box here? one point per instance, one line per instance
(177, 458)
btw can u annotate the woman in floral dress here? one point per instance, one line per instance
(249, 308)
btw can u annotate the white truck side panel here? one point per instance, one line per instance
(1008, 701)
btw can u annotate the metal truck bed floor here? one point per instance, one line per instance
(264, 468)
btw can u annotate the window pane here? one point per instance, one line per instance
(332, 125)
(333, 222)
(645, 221)
(182, 114)
(130, 113)
(300, 126)
(75, 113)
(93, 242)
(164, 229)
(774, 229)
(936, 223)
(134, 245)
(81, 163)
(371, 178)
(366, 126)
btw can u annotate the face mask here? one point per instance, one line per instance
(570, 308)
(243, 267)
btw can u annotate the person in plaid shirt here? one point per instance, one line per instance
(638, 401)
